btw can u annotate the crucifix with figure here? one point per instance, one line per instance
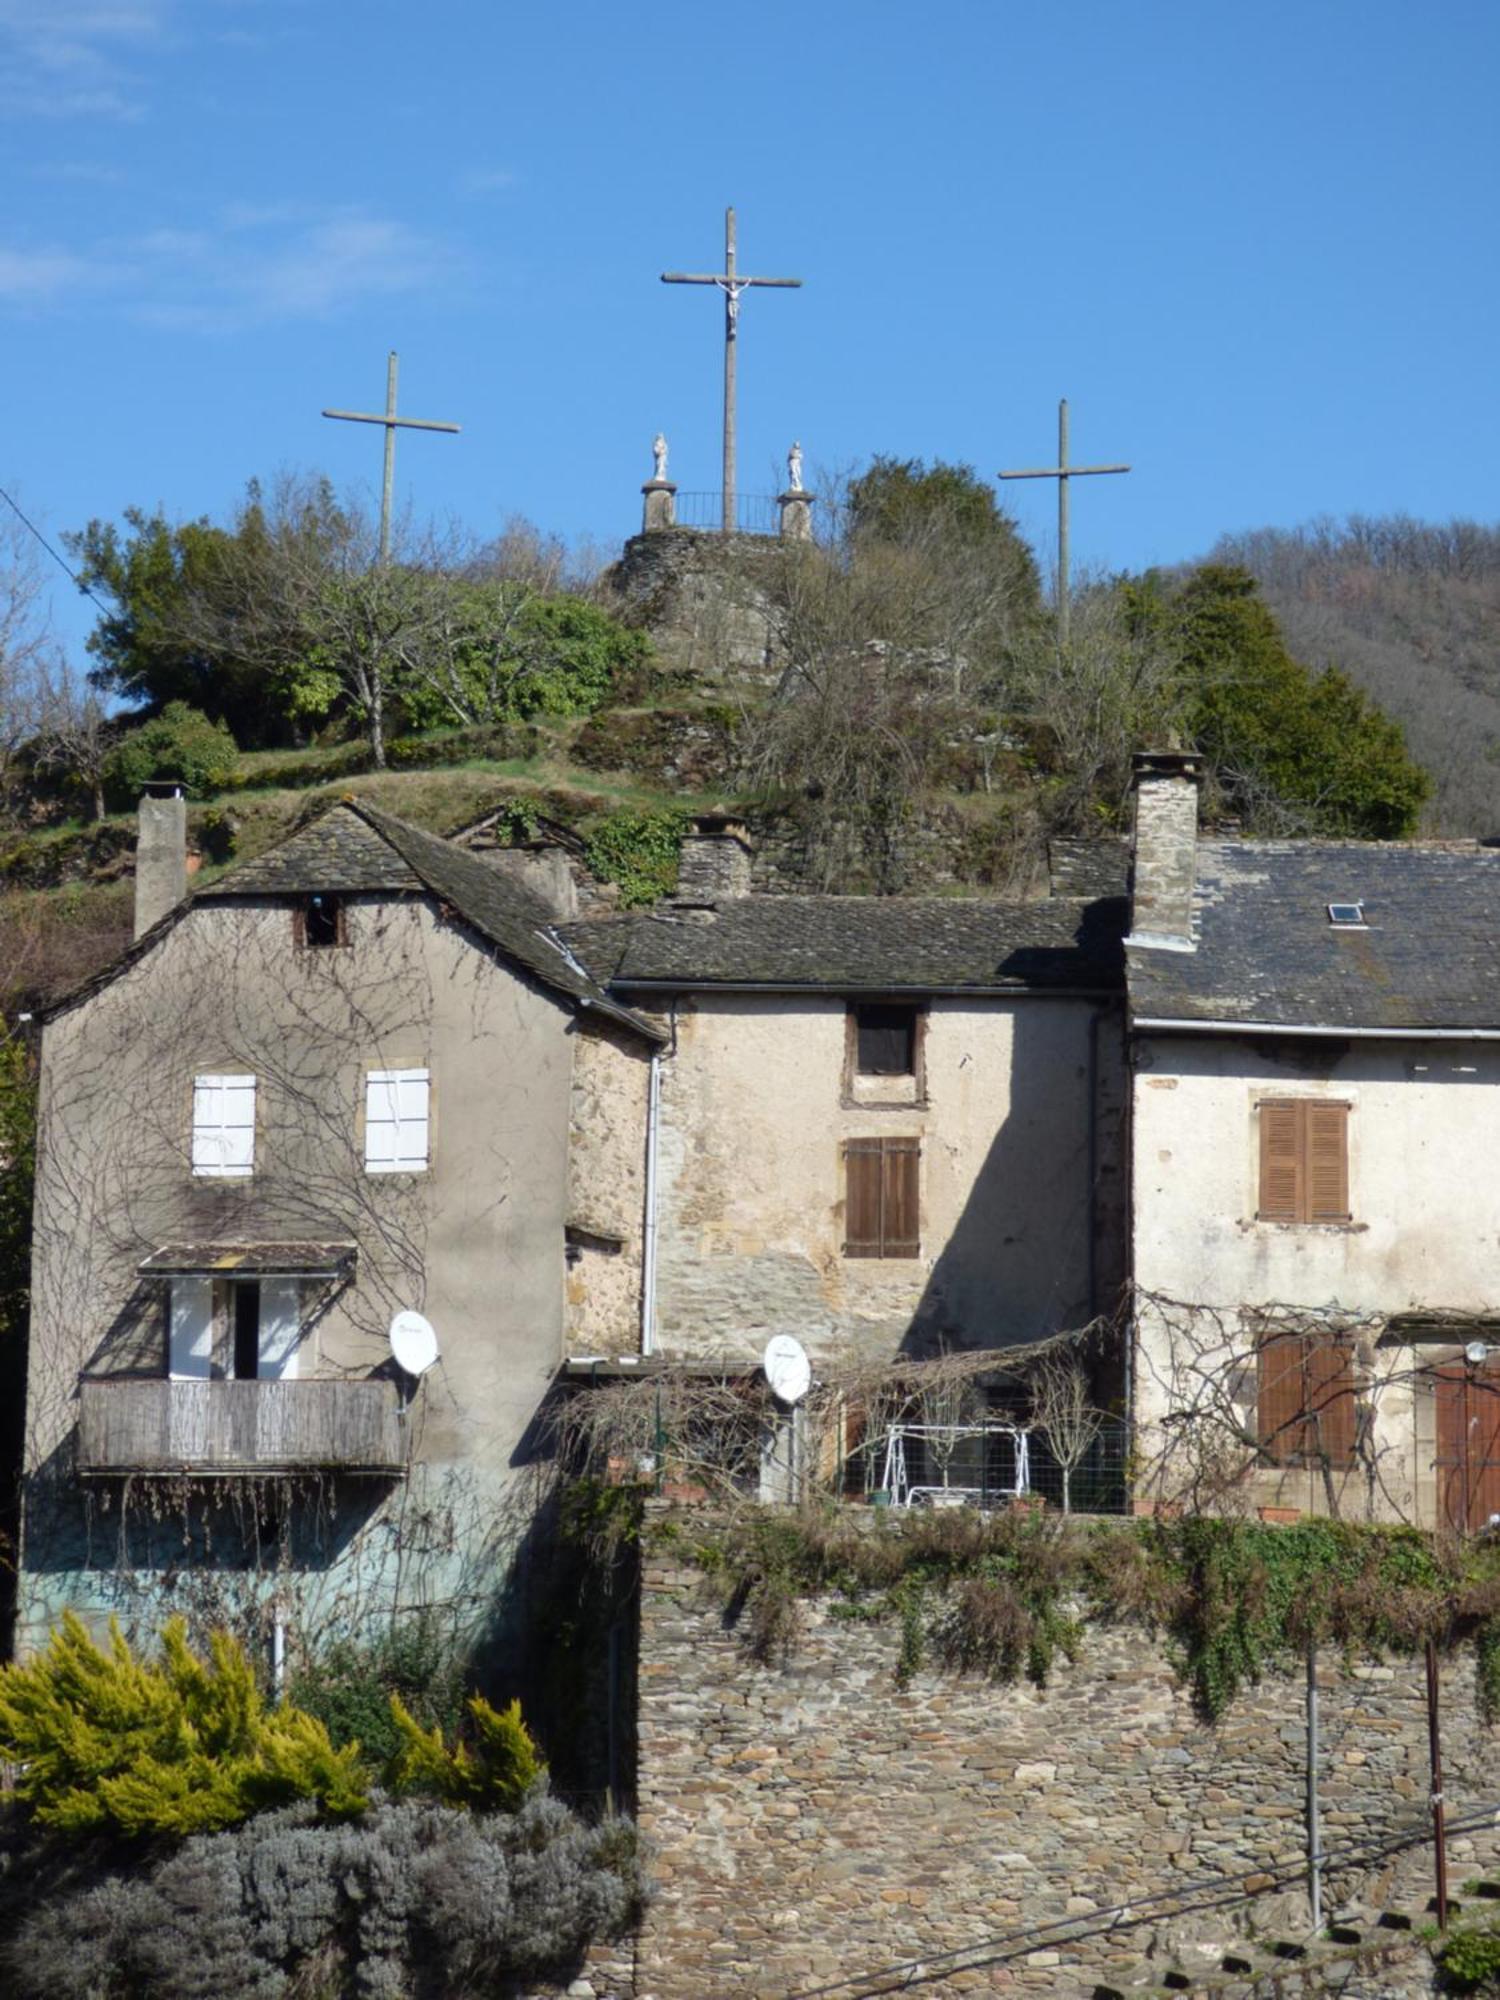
(1062, 472)
(731, 283)
(392, 423)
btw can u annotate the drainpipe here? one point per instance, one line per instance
(648, 1242)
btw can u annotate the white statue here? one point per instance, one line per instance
(659, 456)
(794, 469)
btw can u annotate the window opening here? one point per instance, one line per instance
(396, 1121)
(223, 1125)
(885, 1038)
(1347, 916)
(245, 1300)
(321, 922)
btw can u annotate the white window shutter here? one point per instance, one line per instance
(280, 1328)
(223, 1125)
(396, 1121)
(190, 1338)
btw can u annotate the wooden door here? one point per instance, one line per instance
(1468, 1441)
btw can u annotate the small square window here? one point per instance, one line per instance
(320, 924)
(1347, 916)
(885, 1039)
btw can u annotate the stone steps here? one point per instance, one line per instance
(1359, 1943)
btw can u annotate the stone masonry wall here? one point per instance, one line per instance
(814, 1823)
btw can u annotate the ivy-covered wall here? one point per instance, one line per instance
(832, 1815)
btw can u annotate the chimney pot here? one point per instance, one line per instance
(714, 866)
(160, 854)
(1165, 849)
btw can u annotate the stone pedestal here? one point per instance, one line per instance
(796, 515)
(661, 505)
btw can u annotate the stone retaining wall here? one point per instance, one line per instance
(814, 1823)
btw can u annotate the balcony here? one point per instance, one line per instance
(133, 1425)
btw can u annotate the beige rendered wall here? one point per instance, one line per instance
(475, 1242)
(606, 1189)
(754, 1114)
(1424, 1231)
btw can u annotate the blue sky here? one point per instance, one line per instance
(1254, 246)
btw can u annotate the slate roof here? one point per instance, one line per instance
(1266, 951)
(354, 848)
(870, 943)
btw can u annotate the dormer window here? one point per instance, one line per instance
(320, 922)
(1347, 916)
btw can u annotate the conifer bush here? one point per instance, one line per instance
(108, 1744)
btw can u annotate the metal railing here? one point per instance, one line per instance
(755, 513)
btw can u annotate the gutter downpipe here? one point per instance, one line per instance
(648, 1238)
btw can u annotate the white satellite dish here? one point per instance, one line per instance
(1476, 1353)
(413, 1342)
(787, 1368)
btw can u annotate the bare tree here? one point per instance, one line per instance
(1062, 1407)
(73, 733)
(28, 653)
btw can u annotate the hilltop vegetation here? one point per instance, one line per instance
(921, 729)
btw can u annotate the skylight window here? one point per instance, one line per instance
(1347, 916)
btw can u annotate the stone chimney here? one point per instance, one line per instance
(715, 863)
(1165, 849)
(160, 854)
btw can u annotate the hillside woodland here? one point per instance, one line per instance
(1411, 612)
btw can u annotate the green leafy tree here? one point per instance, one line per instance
(180, 743)
(1292, 750)
(162, 642)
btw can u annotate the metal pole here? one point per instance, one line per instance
(1435, 1755)
(1314, 1832)
(731, 335)
(388, 483)
(1062, 523)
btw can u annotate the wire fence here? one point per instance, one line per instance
(994, 1463)
(754, 513)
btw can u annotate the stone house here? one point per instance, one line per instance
(334, 1086)
(1315, 1235)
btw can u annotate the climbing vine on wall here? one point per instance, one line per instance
(1005, 1593)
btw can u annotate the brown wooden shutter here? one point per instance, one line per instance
(901, 1227)
(863, 1164)
(1281, 1175)
(1282, 1400)
(1327, 1173)
(1331, 1407)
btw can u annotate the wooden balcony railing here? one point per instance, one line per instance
(127, 1424)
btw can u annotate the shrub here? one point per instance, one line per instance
(349, 1686)
(180, 743)
(1471, 1961)
(414, 1897)
(110, 1745)
(496, 1774)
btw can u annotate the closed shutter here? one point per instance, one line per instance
(863, 1174)
(190, 1329)
(1282, 1421)
(1307, 1403)
(1281, 1162)
(1331, 1407)
(1304, 1160)
(280, 1328)
(900, 1227)
(1327, 1162)
(881, 1197)
(396, 1121)
(223, 1125)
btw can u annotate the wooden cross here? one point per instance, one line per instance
(1062, 472)
(731, 284)
(392, 423)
